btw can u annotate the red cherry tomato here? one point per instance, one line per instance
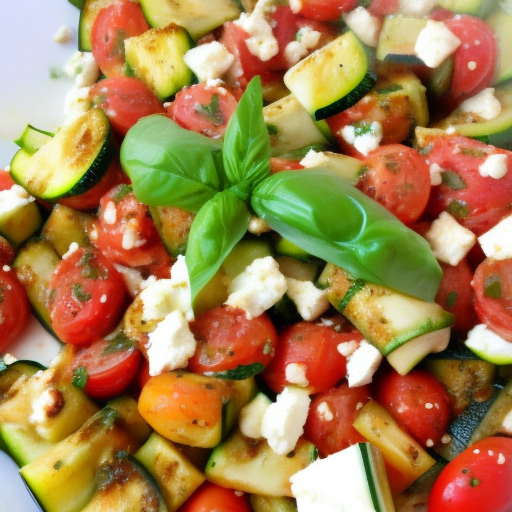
(126, 233)
(204, 109)
(492, 284)
(211, 497)
(112, 25)
(110, 366)
(87, 297)
(477, 479)
(125, 100)
(326, 10)
(226, 339)
(14, 306)
(6, 182)
(455, 295)
(313, 347)
(331, 416)
(418, 401)
(397, 177)
(383, 8)
(477, 202)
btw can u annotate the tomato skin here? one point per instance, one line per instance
(14, 307)
(113, 24)
(6, 182)
(126, 233)
(284, 164)
(326, 10)
(417, 401)
(315, 347)
(477, 479)
(109, 372)
(398, 178)
(203, 109)
(331, 434)
(226, 339)
(125, 100)
(7, 252)
(477, 202)
(492, 284)
(210, 497)
(383, 8)
(87, 297)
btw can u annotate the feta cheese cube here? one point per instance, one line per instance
(365, 25)
(171, 344)
(435, 43)
(209, 61)
(362, 364)
(14, 198)
(495, 166)
(307, 39)
(258, 287)
(295, 373)
(497, 242)
(314, 159)
(363, 140)
(311, 302)
(284, 419)
(483, 104)
(417, 8)
(449, 241)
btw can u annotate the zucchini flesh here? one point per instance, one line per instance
(71, 163)
(501, 23)
(333, 78)
(196, 16)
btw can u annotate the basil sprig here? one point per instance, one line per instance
(225, 182)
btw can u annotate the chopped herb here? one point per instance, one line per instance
(474, 482)
(80, 377)
(124, 190)
(119, 343)
(362, 128)
(272, 129)
(451, 299)
(473, 152)
(452, 180)
(389, 89)
(56, 73)
(212, 111)
(80, 293)
(492, 287)
(459, 209)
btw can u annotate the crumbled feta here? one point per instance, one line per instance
(495, 166)
(132, 278)
(14, 198)
(295, 373)
(314, 159)
(347, 348)
(436, 177)
(307, 39)
(417, 8)
(484, 104)
(261, 42)
(295, 5)
(435, 43)
(258, 287)
(310, 301)
(83, 68)
(251, 416)
(283, 421)
(73, 246)
(209, 61)
(110, 213)
(365, 25)
(171, 344)
(76, 103)
(258, 226)
(449, 241)
(63, 35)
(366, 141)
(131, 236)
(43, 407)
(497, 242)
(362, 364)
(484, 340)
(161, 297)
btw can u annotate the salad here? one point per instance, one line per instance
(273, 240)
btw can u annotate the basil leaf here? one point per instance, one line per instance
(171, 166)
(246, 152)
(326, 216)
(216, 229)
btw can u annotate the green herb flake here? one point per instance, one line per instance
(474, 482)
(80, 377)
(80, 294)
(458, 209)
(272, 129)
(123, 191)
(388, 90)
(492, 287)
(453, 181)
(478, 153)
(119, 343)
(212, 112)
(451, 299)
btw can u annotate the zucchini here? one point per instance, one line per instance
(175, 475)
(473, 7)
(399, 449)
(250, 465)
(496, 131)
(290, 126)
(173, 225)
(260, 503)
(88, 12)
(32, 139)
(333, 78)
(65, 226)
(63, 479)
(354, 478)
(244, 253)
(130, 418)
(69, 164)
(403, 328)
(14, 375)
(501, 23)
(124, 485)
(156, 58)
(34, 265)
(196, 16)
(348, 167)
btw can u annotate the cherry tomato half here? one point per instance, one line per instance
(211, 497)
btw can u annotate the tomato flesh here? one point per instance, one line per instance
(210, 497)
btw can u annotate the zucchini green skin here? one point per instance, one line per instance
(88, 11)
(71, 163)
(32, 139)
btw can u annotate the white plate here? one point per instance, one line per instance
(28, 94)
